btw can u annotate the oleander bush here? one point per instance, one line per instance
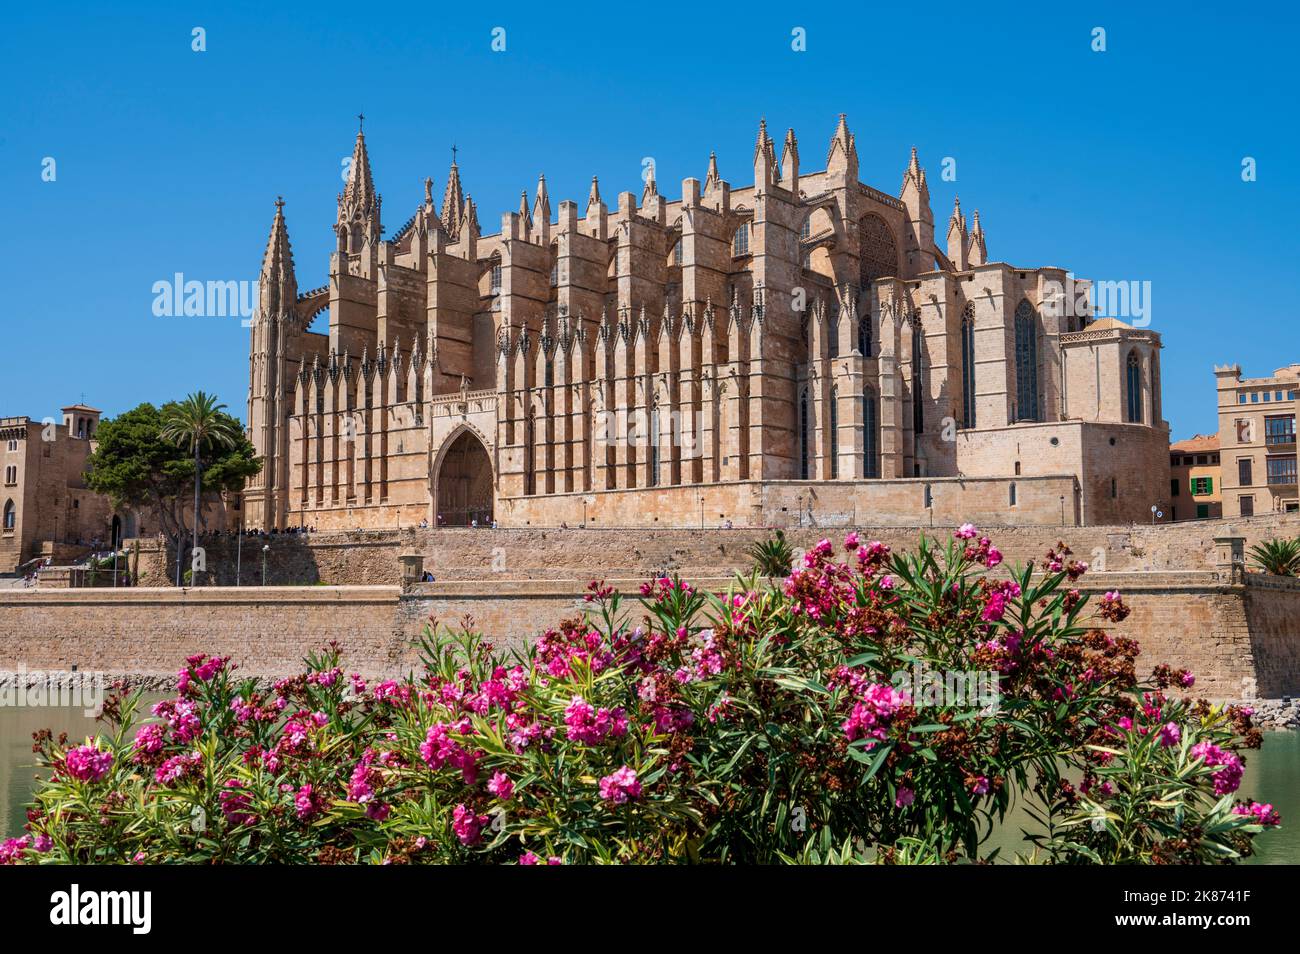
(796, 722)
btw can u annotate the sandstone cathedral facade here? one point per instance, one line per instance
(798, 349)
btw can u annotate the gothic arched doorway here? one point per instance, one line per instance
(465, 484)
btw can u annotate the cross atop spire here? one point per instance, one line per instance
(361, 122)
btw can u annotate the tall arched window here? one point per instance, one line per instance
(803, 434)
(11, 514)
(1133, 388)
(968, 367)
(870, 430)
(740, 242)
(835, 432)
(918, 381)
(1026, 362)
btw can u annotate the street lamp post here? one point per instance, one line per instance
(266, 548)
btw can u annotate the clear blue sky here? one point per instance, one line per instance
(1118, 165)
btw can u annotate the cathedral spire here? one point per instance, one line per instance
(453, 199)
(712, 180)
(765, 170)
(977, 252)
(790, 162)
(914, 178)
(525, 214)
(359, 204)
(957, 239)
(593, 197)
(958, 220)
(843, 153)
(277, 285)
(651, 189)
(542, 206)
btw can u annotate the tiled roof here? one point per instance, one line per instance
(1196, 444)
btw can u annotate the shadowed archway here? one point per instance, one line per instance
(465, 483)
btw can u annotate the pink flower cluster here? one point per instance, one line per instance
(531, 858)
(236, 802)
(501, 786)
(620, 786)
(441, 747)
(178, 767)
(200, 667)
(557, 651)
(870, 717)
(997, 598)
(1261, 814)
(983, 552)
(468, 826)
(1228, 777)
(593, 726)
(86, 763)
(13, 849)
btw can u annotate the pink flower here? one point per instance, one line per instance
(592, 726)
(905, 797)
(468, 826)
(148, 741)
(306, 803)
(87, 764)
(501, 786)
(979, 785)
(966, 531)
(12, 849)
(1262, 814)
(178, 767)
(872, 712)
(1228, 777)
(1170, 734)
(620, 786)
(235, 803)
(851, 541)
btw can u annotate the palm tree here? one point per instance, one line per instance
(773, 556)
(198, 422)
(1279, 557)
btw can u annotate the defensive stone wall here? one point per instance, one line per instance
(371, 556)
(1241, 637)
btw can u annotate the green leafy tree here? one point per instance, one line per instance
(135, 465)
